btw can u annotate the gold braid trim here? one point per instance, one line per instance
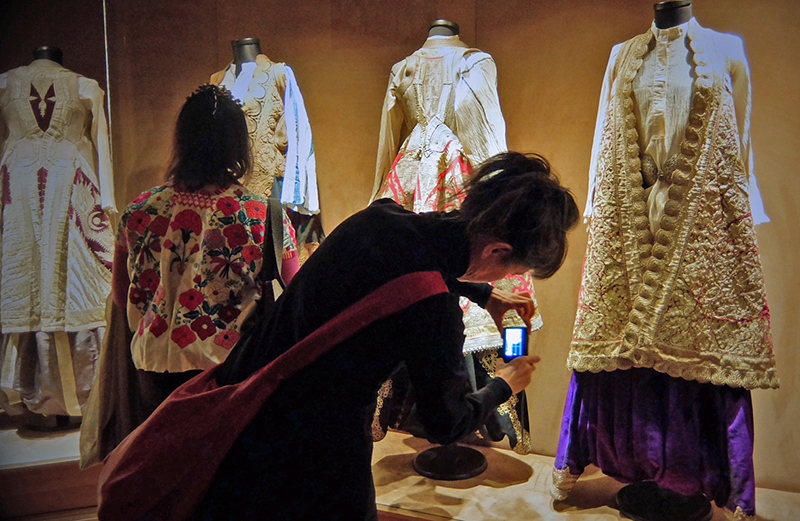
(737, 515)
(488, 360)
(384, 392)
(563, 481)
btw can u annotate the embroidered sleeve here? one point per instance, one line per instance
(742, 99)
(479, 120)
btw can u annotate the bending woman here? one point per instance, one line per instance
(307, 454)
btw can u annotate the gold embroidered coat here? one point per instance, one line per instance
(689, 299)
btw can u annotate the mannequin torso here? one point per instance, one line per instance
(47, 52)
(443, 27)
(670, 14)
(245, 50)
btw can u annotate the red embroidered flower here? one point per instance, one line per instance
(191, 299)
(213, 239)
(183, 336)
(197, 278)
(251, 253)
(158, 326)
(159, 226)
(238, 192)
(168, 244)
(149, 279)
(227, 338)
(236, 235)
(204, 327)
(228, 313)
(255, 209)
(195, 248)
(155, 245)
(258, 232)
(142, 197)
(138, 221)
(187, 220)
(137, 296)
(228, 205)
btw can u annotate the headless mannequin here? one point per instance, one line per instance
(443, 27)
(245, 50)
(47, 52)
(670, 14)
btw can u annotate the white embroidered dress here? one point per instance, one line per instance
(57, 242)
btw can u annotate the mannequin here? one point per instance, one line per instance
(55, 271)
(443, 27)
(281, 154)
(651, 400)
(245, 50)
(441, 117)
(47, 52)
(670, 14)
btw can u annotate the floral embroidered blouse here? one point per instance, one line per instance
(193, 260)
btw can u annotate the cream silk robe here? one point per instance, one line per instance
(57, 186)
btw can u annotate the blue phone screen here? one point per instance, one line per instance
(514, 342)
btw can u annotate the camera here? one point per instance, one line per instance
(515, 342)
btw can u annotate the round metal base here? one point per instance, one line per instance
(646, 501)
(450, 462)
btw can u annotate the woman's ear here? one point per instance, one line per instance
(496, 252)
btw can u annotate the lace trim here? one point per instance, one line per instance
(764, 377)
(737, 515)
(563, 481)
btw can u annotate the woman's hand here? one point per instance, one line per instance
(516, 373)
(500, 302)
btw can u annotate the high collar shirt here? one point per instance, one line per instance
(663, 89)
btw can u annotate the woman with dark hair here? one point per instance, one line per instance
(189, 252)
(304, 451)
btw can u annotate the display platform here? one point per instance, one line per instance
(40, 481)
(514, 487)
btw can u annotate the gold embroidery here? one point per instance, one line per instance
(737, 515)
(664, 301)
(563, 481)
(488, 359)
(384, 392)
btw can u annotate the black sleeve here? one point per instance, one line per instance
(445, 403)
(477, 292)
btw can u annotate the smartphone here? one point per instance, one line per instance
(515, 342)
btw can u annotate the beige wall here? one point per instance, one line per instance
(550, 56)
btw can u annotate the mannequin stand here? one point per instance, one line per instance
(646, 501)
(450, 462)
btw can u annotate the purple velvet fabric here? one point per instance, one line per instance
(640, 424)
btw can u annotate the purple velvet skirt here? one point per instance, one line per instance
(639, 424)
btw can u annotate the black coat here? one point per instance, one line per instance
(307, 454)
